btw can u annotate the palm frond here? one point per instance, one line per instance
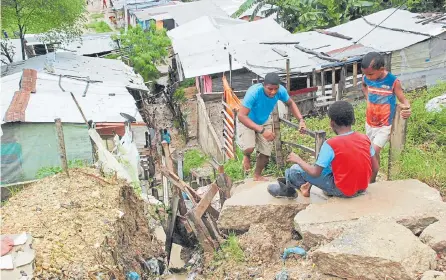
(245, 6)
(257, 10)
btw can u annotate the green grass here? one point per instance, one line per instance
(112, 56)
(188, 83)
(234, 167)
(424, 156)
(99, 26)
(97, 16)
(180, 95)
(53, 170)
(230, 250)
(193, 159)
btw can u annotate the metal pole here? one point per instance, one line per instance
(230, 70)
(288, 78)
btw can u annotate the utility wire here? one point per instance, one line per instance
(376, 26)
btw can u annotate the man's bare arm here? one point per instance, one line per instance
(312, 170)
(398, 89)
(294, 109)
(296, 113)
(244, 119)
(365, 90)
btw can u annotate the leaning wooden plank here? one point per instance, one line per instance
(171, 224)
(206, 201)
(201, 232)
(195, 198)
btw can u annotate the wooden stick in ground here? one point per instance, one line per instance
(397, 139)
(61, 140)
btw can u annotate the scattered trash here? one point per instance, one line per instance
(133, 276)
(6, 262)
(120, 213)
(436, 104)
(6, 245)
(24, 258)
(192, 275)
(295, 250)
(283, 275)
(153, 267)
(21, 239)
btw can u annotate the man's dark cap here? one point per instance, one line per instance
(272, 79)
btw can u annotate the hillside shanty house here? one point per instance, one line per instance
(92, 45)
(37, 91)
(178, 12)
(322, 65)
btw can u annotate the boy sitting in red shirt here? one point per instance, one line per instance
(344, 166)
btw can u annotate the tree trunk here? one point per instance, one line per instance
(22, 41)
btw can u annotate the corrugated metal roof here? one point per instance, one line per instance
(202, 25)
(388, 40)
(85, 45)
(98, 69)
(183, 13)
(103, 102)
(203, 53)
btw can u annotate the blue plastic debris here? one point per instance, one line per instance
(133, 276)
(295, 250)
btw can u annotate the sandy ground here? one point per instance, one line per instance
(82, 226)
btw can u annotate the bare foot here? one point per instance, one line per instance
(260, 178)
(246, 163)
(305, 189)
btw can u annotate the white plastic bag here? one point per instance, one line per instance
(436, 104)
(128, 156)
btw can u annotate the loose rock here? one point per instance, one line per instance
(375, 250)
(408, 202)
(435, 236)
(251, 203)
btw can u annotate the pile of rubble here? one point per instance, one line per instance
(396, 230)
(82, 226)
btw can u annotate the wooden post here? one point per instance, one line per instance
(230, 70)
(234, 144)
(319, 140)
(341, 86)
(323, 82)
(314, 77)
(288, 78)
(277, 140)
(225, 184)
(355, 74)
(397, 139)
(308, 81)
(333, 82)
(61, 140)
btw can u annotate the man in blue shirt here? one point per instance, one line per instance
(166, 136)
(254, 124)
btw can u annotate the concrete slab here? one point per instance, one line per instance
(409, 202)
(374, 249)
(250, 203)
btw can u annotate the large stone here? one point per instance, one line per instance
(250, 203)
(375, 249)
(409, 202)
(433, 275)
(435, 236)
